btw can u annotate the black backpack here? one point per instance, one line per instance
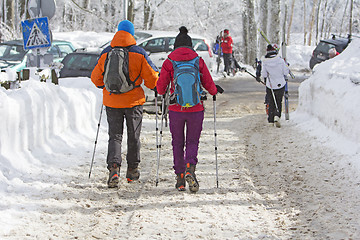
(116, 71)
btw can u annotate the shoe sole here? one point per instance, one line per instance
(193, 185)
(181, 188)
(113, 183)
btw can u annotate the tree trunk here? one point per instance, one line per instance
(252, 32)
(305, 23)
(263, 25)
(311, 23)
(290, 22)
(146, 14)
(275, 22)
(245, 23)
(351, 15)
(323, 19)
(317, 21)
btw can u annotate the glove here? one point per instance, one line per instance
(154, 89)
(258, 79)
(219, 89)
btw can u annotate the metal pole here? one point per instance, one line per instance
(216, 160)
(97, 134)
(125, 9)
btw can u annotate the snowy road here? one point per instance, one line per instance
(273, 184)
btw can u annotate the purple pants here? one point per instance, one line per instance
(193, 122)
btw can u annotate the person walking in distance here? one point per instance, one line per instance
(226, 47)
(274, 71)
(182, 70)
(124, 104)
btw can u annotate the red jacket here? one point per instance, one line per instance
(139, 63)
(226, 44)
(167, 77)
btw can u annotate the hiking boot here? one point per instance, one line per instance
(277, 121)
(180, 182)
(190, 177)
(114, 173)
(132, 174)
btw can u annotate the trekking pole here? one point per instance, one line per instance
(157, 138)
(272, 92)
(97, 134)
(216, 161)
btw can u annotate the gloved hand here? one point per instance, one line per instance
(154, 89)
(219, 89)
(258, 79)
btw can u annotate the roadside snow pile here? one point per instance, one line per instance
(39, 120)
(332, 95)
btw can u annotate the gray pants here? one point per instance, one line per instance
(115, 118)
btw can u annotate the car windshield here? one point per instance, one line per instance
(324, 47)
(9, 52)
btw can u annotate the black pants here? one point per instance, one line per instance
(115, 118)
(227, 62)
(279, 93)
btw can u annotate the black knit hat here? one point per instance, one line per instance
(182, 39)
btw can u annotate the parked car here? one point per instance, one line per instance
(13, 55)
(159, 44)
(321, 52)
(79, 64)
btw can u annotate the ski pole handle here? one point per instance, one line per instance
(214, 97)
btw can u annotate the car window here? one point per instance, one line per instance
(64, 49)
(80, 61)
(171, 43)
(199, 45)
(154, 45)
(12, 52)
(324, 47)
(53, 50)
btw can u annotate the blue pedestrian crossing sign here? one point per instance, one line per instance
(36, 33)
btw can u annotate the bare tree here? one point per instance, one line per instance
(263, 24)
(275, 21)
(305, 28)
(290, 21)
(312, 21)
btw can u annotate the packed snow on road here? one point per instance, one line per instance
(300, 181)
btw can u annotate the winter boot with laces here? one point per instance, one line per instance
(114, 173)
(190, 177)
(132, 174)
(180, 182)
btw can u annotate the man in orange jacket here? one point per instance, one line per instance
(125, 105)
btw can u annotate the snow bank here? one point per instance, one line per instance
(40, 119)
(332, 93)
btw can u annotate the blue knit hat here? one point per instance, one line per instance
(126, 26)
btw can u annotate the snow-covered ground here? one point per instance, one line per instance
(298, 182)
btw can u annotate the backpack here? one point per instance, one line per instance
(187, 86)
(116, 71)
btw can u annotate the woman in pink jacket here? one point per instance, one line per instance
(185, 160)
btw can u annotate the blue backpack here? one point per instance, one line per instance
(187, 86)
